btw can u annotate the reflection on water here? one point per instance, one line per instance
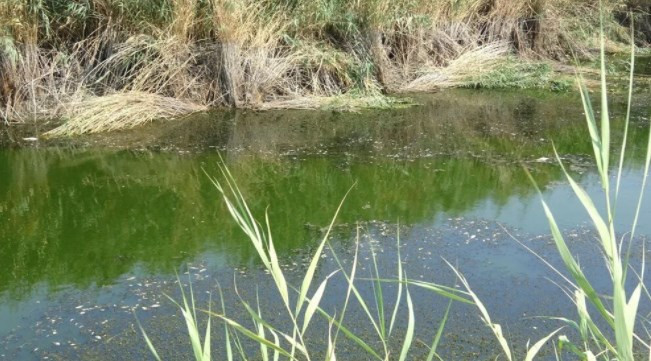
(83, 217)
(87, 216)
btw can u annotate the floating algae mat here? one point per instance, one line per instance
(95, 229)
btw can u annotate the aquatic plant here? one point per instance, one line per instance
(622, 317)
(202, 351)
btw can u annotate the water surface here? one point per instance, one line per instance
(97, 227)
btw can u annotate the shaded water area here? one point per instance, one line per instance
(95, 228)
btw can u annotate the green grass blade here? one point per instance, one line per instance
(628, 114)
(330, 355)
(623, 339)
(439, 333)
(573, 267)
(379, 298)
(206, 356)
(625, 314)
(636, 217)
(263, 348)
(244, 207)
(238, 345)
(193, 332)
(584, 316)
(255, 316)
(605, 116)
(570, 263)
(238, 213)
(533, 351)
(339, 323)
(314, 302)
(309, 274)
(276, 271)
(631, 309)
(592, 125)
(351, 336)
(253, 336)
(276, 355)
(190, 317)
(442, 290)
(227, 341)
(496, 328)
(227, 338)
(152, 349)
(645, 176)
(409, 337)
(593, 212)
(353, 274)
(297, 345)
(400, 281)
(358, 297)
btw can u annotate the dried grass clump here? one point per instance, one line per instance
(459, 71)
(348, 102)
(323, 70)
(165, 64)
(253, 61)
(42, 81)
(121, 111)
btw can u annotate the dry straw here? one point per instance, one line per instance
(272, 53)
(120, 111)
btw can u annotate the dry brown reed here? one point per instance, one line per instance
(268, 54)
(460, 71)
(120, 111)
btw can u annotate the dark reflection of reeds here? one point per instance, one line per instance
(494, 123)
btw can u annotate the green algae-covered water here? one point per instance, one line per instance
(94, 229)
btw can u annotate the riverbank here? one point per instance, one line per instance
(117, 64)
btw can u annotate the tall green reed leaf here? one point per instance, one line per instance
(411, 322)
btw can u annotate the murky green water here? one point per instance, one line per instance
(87, 232)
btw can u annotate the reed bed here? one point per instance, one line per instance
(246, 53)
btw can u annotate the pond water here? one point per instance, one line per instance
(96, 228)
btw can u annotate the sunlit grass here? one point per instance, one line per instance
(300, 306)
(57, 56)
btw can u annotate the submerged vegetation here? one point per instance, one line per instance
(78, 60)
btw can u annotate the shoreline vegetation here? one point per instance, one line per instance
(103, 65)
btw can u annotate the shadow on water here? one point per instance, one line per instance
(78, 218)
